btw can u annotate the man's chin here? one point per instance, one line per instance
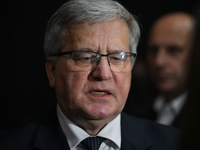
(165, 88)
(99, 114)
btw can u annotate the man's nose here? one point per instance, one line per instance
(102, 70)
(160, 58)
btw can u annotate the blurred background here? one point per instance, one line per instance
(25, 92)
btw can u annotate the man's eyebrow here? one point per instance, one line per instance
(85, 49)
(116, 51)
(96, 51)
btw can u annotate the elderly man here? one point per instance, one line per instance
(90, 48)
(169, 49)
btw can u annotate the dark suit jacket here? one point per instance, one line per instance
(46, 134)
(147, 112)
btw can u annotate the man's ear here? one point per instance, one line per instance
(50, 70)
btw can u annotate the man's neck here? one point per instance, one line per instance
(169, 96)
(91, 126)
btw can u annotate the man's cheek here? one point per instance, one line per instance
(78, 79)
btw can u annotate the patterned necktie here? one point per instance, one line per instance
(92, 143)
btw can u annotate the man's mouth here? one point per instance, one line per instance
(100, 93)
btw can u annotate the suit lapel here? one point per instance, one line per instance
(133, 137)
(50, 135)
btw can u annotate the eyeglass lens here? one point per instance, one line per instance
(119, 62)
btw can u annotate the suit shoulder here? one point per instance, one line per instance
(20, 137)
(147, 124)
(159, 135)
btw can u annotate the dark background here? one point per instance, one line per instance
(25, 92)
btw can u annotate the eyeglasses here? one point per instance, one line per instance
(87, 60)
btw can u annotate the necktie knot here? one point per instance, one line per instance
(92, 143)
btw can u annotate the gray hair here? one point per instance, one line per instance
(86, 11)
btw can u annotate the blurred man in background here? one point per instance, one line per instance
(169, 49)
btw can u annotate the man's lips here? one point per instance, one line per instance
(161, 75)
(100, 92)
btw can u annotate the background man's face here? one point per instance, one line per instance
(99, 94)
(169, 51)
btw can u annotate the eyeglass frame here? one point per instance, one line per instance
(97, 54)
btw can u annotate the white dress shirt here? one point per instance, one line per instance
(167, 112)
(75, 134)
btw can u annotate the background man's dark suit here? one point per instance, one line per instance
(147, 112)
(46, 133)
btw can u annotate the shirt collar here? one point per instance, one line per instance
(75, 134)
(176, 104)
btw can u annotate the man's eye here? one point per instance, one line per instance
(81, 56)
(174, 49)
(153, 49)
(115, 59)
(84, 59)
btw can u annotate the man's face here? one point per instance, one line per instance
(99, 94)
(168, 55)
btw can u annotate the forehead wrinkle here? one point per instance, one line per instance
(105, 38)
(78, 39)
(96, 36)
